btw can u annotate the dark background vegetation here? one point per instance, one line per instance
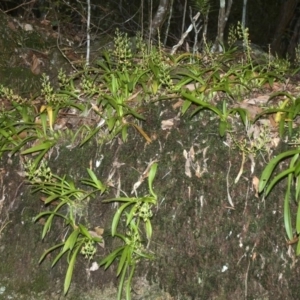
(270, 22)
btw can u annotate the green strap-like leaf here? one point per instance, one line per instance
(121, 199)
(151, 177)
(49, 251)
(125, 259)
(298, 220)
(287, 212)
(148, 228)
(298, 248)
(71, 240)
(128, 284)
(267, 172)
(121, 283)
(206, 105)
(58, 257)
(109, 259)
(277, 178)
(98, 184)
(43, 146)
(70, 269)
(84, 231)
(222, 127)
(117, 218)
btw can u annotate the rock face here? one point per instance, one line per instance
(212, 238)
(204, 248)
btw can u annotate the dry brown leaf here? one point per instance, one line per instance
(11, 26)
(192, 86)
(99, 230)
(276, 86)
(255, 183)
(262, 99)
(167, 124)
(252, 110)
(35, 65)
(178, 104)
(45, 22)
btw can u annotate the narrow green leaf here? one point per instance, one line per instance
(197, 110)
(131, 214)
(297, 168)
(120, 199)
(124, 133)
(196, 100)
(121, 283)
(242, 113)
(282, 93)
(277, 178)
(124, 258)
(129, 281)
(134, 113)
(116, 218)
(98, 184)
(70, 270)
(148, 228)
(71, 240)
(58, 257)
(92, 133)
(43, 146)
(185, 106)
(47, 225)
(287, 213)
(151, 177)
(297, 188)
(84, 231)
(267, 172)
(22, 144)
(298, 219)
(51, 198)
(49, 251)
(298, 248)
(6, 133)
(45, 213)
(109, 259)
(224, 107)
(290, 122)
(39, 158)
(281, 127)
(111, 123)
(43, 117)
(222, 127)
(154, 69)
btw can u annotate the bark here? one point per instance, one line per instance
(288, 11)
(223, 18)
(159, 18)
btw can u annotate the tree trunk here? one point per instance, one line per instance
(222, 20)
(288, 9)
(159, 18)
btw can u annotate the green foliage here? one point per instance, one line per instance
(292, 175)
(106, 98)
(139, 211)
(61, 192)
(202, 6)
(285, 115)
(222, 114)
